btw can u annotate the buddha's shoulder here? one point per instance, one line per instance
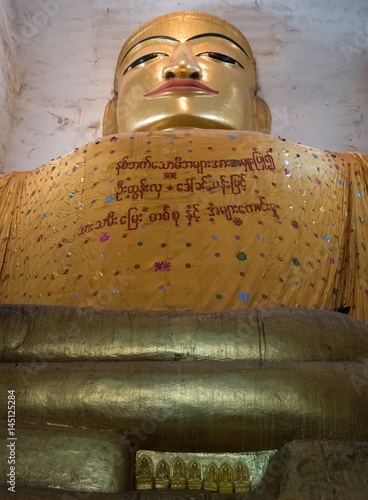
(194, 140)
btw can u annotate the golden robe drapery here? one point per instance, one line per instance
(188, 220)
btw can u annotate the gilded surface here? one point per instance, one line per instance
(64, 458)
(303, 470)
(50, 333)
(254, 370)
(179, 405)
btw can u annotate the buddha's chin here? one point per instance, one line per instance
(181, 121)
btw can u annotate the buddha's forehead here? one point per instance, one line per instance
(183, 26)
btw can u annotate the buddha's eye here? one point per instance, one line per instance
(221, 57)
(144, 59)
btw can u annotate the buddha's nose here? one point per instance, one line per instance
(182, 64)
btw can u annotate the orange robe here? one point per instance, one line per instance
(196, 220)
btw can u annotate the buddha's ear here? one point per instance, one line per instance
(263, 116)
(110, 125)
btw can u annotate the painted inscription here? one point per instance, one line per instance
(134, 217)
(255, 163)
(216, 179)
(234, 184)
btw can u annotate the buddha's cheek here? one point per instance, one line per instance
(236, 110)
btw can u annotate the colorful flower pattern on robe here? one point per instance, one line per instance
(192, 220)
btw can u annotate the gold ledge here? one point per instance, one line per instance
(60, 334)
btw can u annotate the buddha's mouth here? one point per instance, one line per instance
(182, 85)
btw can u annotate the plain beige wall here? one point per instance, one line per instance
(8, 77)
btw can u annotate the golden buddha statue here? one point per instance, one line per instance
(186, 70)
(170, 286)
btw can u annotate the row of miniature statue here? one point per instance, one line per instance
(192, 476)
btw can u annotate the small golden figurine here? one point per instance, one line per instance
(144, 475)
(178, 480)
(225, 479)
(242, 482)
(211, 478)
(162, 479)
(195, 475)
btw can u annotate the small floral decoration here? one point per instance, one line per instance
(104, 237)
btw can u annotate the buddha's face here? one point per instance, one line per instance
(186, 72)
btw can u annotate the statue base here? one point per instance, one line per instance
(306, 470)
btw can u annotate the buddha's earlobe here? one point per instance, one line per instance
(263, 116)
(110, 125)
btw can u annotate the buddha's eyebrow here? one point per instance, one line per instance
(195, 37)
(218, 35)
(163, 37)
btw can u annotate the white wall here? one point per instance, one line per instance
(8, 78)
(311, 56)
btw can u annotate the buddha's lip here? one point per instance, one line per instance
(181, 85)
